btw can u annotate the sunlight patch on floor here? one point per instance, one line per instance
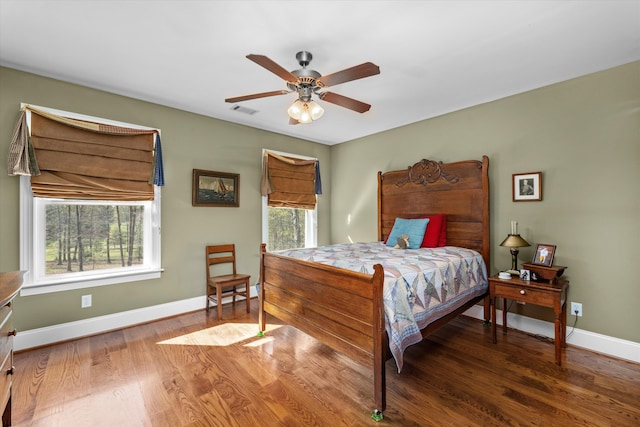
(119, 406)
(220, 335)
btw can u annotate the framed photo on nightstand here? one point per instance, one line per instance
(544, 255)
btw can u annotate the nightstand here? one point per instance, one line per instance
(552, 295)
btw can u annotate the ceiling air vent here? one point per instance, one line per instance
(245, 110)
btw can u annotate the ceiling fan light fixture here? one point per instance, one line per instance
(305, 112)
(295, 110)
(305, 117)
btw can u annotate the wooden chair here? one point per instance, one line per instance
(230, 284)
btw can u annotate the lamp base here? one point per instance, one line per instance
(514, 258)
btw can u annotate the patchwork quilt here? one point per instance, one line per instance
(420, 285)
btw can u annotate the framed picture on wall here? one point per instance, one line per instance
(527, 187)
(211, 188)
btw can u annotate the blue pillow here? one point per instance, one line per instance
(414, 228)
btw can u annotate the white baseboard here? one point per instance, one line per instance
(604, 344)
(72, 330)
(33, 338)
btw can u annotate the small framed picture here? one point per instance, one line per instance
(544, 255)
(211, 188)
(525, 275)
(527, 187)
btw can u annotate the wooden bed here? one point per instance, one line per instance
(344, 309)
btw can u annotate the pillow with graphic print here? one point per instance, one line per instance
(414, 228)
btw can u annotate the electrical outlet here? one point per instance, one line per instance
(576, 309)
(86, 301)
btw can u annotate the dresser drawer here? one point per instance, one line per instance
(5, 380)
(523, 294)
(6, 326)
(5, 312)
(10, 284)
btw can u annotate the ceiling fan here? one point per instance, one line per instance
(307, 82)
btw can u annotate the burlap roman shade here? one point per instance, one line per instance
(86, 160)
(289, 182)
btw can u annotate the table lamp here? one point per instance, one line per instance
(513, 242)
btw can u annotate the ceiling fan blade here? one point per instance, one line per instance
(293, 121)
(354, 73)
(276, 69)
(257, 95)
(345, 102)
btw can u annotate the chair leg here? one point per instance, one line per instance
(208, 294)
(248, 296)
(219, 295)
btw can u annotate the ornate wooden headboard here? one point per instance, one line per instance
(460, 190)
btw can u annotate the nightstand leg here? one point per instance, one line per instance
(504, 315)
(558, 338)
(492, 302)
(563, 319)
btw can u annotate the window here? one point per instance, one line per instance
(75, 243)
(288, 228)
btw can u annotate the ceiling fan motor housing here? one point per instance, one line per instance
(307, 78)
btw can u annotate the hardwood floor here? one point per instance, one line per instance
(192, 370)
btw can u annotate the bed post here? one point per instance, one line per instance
(379, 345)
(486, 247)
(261, 313)
(379, 206)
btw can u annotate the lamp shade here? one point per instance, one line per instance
(514, 241)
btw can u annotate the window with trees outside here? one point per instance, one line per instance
(288, 228)
(71, 243)
(86, 237)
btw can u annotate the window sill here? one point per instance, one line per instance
(104, 280)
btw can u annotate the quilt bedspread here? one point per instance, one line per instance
(420, 285)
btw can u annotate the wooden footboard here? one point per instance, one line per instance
(341, 308)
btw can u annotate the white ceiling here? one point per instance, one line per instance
(434, 56)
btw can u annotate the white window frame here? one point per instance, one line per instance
(311, 217)
(33, 236)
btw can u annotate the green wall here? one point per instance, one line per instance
(582, 134)
(189, 141)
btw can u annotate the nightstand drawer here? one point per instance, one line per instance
(524, 294)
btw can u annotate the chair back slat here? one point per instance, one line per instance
(220, 254)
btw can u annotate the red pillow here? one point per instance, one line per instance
(436, 234)
(442, 238)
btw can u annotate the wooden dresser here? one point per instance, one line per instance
(10, 284)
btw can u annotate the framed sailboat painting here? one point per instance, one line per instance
(211, 188)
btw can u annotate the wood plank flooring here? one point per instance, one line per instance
(192, 370)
